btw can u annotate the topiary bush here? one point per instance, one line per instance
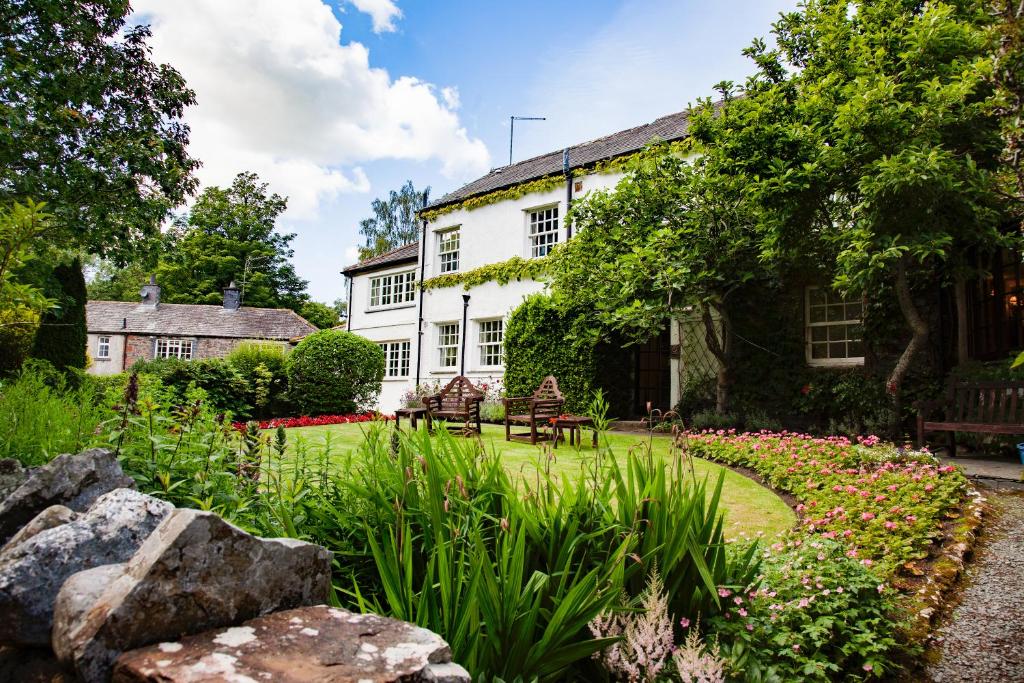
(334, 372)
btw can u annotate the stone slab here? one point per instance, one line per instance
(322, 644)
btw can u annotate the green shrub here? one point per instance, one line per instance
(334, 372)
(226, 389)
(42, 415)
(709, 419)
(263, 366)
(61, 337)
(540, 340)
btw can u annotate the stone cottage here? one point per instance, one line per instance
(122, 332)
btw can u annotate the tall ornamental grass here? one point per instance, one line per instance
(43, 415)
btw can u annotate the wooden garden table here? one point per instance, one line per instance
(412, 413)
(575, 425)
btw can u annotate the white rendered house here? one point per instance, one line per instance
(435, 334)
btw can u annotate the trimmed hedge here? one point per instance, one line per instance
(540, 340)
(334, 372)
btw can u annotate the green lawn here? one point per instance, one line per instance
(750, 508)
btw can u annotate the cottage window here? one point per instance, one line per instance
(491, 347)
(396, 357)
(103, 347)
(392, 289)
(448, 250)
(835, 330)
(174, 348)
(448, 345)
(543, 231)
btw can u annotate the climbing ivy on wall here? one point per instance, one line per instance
(503, 272)
(618, 164)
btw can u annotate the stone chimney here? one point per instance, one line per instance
(151, 293)
(232, 297)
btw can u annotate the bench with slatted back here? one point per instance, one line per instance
(994, 407)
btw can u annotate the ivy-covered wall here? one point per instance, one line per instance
(541, 340)
(771, 377)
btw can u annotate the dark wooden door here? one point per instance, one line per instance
(653, 375)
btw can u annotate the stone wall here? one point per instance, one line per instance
(100, 582)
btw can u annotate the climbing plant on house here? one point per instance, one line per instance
(672, 236)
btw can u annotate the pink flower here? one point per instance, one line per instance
(743, 612)
(724, 592)
(868, 667)
(881, 587)
(804, 602)
(890, 525)
(796, 648)
(684, 622)
(750, 627)
(867, 516)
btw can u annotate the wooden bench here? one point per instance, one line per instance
(458, 401)
(992, 407)
(535, 411)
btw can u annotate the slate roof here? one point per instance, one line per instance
(407, 253)
(195, 320)
(667, 128)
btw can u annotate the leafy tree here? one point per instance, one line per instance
(321, 315)
(1008, 78)
(21, 300)
(229, 236)
(394, 221)
(340, 307)
(673, 236)
(110, 282)
(61, 337)
(90, 125)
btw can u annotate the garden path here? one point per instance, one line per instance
(981, 639)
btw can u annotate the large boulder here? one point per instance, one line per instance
(74, 481)
(12, 475)
(32, 571)
(321, 643)
(51, 517)
(194, 572)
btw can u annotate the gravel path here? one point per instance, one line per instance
(984, 638)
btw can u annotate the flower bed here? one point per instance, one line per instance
(319, 420)
(886, 507)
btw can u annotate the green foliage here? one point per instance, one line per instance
(334, 372)
(320, 315)
(229, 235)
(542, 339)
(816, 616)
(91, 125)
(263, 367)
(515, 192)
(503, 272)
(225, 388)
(21, 300)
(61, 337)
(42, 415)
(394, 221)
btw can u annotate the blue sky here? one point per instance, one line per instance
(335, 102)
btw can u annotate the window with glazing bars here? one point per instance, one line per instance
(396, 288)
(543, 231)
(103, 347)
(491, 337)
(835, 330)
(396, 357)
(448, 250)
(448, 345)
(174, 348)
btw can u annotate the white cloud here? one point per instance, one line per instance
(280, 94)
(382, 12)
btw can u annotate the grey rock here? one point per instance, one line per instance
(51, 517)
(194, 572)
(33, 571)
(12, 475)
(321, 643)
(74, 481)
(80, 592)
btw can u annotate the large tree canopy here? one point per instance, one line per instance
(89, 124)
(229, 235)
(394, 221)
